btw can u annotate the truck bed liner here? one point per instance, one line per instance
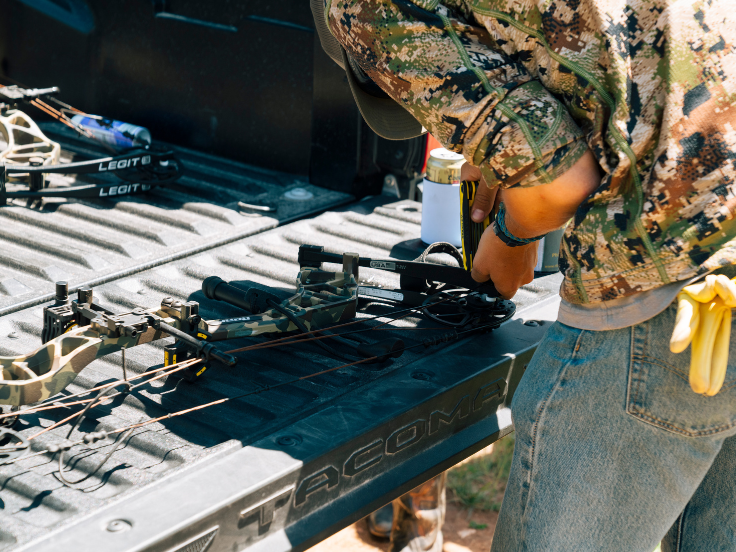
(277, 470)
(96, 241)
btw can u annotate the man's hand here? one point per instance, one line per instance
(508, 267)
(485, 197)
(530, 212)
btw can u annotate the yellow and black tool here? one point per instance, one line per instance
(470, 231)
(177, 352)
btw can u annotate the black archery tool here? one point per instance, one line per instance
(417, 272)
(253, 300)
(466, 309)
(65, 314)
(445, 294)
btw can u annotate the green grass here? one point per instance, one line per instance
(480, 483)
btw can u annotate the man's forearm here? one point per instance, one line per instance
(530, 212)
(535, 211)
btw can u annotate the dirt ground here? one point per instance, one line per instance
(459, 536)
(479, 479)
(457, 530)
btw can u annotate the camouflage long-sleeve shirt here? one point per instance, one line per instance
(521, 87)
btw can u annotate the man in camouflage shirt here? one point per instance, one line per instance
(619, 115)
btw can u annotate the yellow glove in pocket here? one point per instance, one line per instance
(704, 318)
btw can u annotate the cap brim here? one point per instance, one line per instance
(385, 116)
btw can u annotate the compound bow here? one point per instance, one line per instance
(32, 155)
(77, 332)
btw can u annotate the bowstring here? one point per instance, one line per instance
(103, 398)
(223, 400)
(56, 403)
(451, 336)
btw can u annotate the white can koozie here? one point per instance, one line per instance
(441, 198)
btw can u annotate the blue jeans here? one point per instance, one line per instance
(614, 452)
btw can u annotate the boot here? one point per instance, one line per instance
(380, 522)
(418, 518)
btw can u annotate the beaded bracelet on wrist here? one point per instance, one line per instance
(500, 229)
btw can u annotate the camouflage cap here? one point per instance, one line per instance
(386, 117)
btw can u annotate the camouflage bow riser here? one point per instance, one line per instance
(322, 299)
(46, 371)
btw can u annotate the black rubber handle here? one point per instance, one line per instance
(211, 351)
(215, 287)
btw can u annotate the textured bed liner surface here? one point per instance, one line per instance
(33, 501)
(97, 240)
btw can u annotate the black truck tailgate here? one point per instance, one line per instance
(277, 470)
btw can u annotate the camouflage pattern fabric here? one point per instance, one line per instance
(418, 518)
(522, 87)
(47, 371)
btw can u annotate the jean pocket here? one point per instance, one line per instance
(658, 389)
